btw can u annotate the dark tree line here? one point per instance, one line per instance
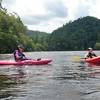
(77, 35)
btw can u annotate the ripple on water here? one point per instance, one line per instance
(63, 79)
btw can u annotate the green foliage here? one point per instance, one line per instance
(13, 32)
(27, 42)
(40, 40)
(7, 42)
(11, 28)
(38, 47)
(97, 46)
(77, 35)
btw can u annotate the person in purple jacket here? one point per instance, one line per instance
(19, 55)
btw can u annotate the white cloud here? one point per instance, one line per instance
(48, 26)
(56, 8)
(47, 15)
(95, 9)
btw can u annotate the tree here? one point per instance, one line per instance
(97, 46)
(77, 35)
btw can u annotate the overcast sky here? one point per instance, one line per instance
(48, 15)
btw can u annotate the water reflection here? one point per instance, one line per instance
(62, 80)
(89, 88)
(10, 82)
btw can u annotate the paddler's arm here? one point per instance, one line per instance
(86, 56)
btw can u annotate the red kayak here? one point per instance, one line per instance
(26, 62)
(94, 60)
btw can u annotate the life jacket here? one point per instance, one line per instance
(20, 55)
(91, 55)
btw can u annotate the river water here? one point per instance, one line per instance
(65, 78)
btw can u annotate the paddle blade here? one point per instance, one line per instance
(78, 59)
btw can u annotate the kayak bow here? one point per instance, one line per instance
(94, 60)
(26, 62)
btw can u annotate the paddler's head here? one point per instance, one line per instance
(20, 48)
(90, 49)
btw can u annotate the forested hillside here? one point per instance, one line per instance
(40, 39)
(14, 32)
(77, 35)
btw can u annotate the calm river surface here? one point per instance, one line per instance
(65, 78)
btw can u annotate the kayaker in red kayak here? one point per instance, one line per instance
(19, 55)
(90, 54)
